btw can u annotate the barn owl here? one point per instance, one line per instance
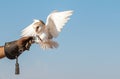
(44, 33)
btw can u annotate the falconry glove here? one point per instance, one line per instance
(15, 48)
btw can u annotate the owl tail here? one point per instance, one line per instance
(49, 44)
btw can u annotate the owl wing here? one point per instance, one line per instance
(56, 20)
(29, 30)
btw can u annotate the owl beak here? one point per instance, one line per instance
(39, 38)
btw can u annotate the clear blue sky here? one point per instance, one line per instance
(89, 43)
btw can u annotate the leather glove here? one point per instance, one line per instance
(15, 48)
(24, 43)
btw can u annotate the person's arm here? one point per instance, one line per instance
(2, 53)
(15, 48)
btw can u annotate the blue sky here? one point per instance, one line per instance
(89, 43)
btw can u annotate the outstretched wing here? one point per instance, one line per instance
(56, 20)
(29, 30)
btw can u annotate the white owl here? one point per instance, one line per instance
(45, 32)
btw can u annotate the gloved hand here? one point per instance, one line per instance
(24, 43)
(15, 48)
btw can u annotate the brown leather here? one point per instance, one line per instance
(11, 50)
(15, 48)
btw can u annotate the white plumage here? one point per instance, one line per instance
(44, 33)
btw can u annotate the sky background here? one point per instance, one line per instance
(89, 44)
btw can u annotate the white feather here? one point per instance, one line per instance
(29, 30)
(56, 21)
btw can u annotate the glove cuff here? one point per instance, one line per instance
(11, 50)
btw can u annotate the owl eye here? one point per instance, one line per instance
(37, 27)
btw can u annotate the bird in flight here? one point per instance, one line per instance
(45, 32)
